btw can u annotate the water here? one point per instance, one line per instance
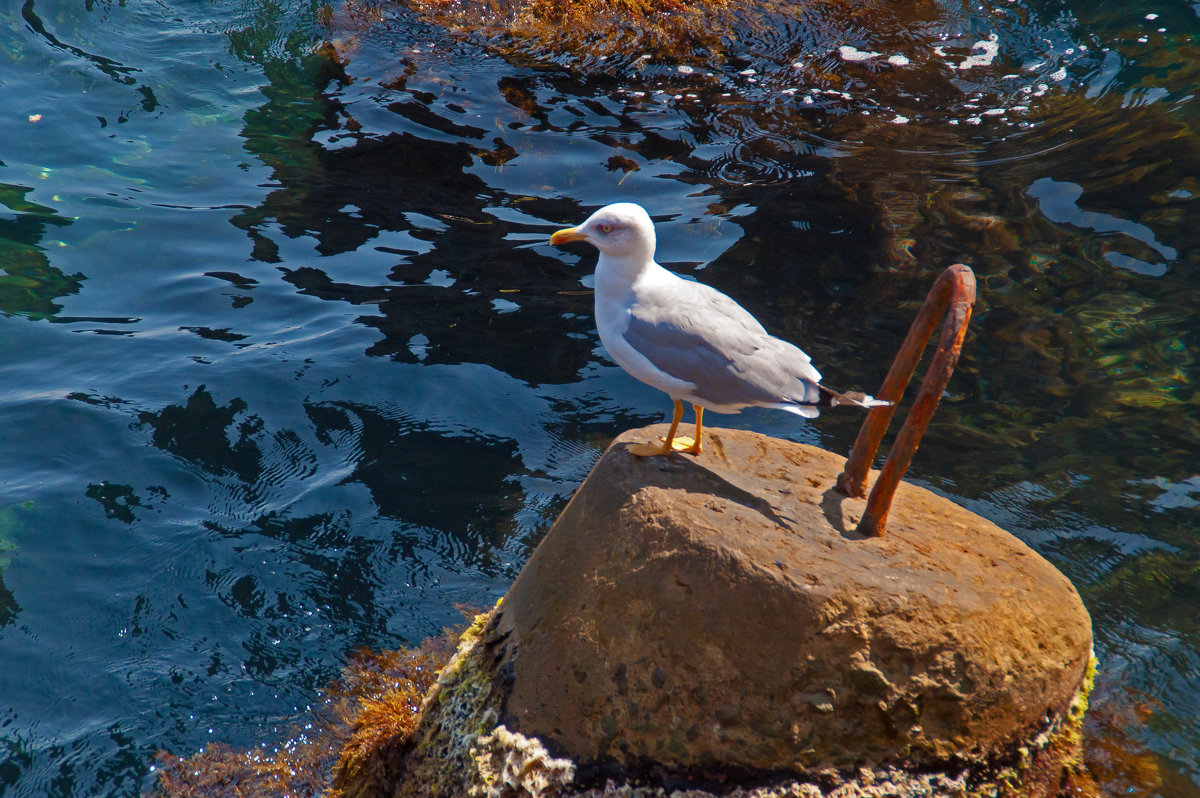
(289, 368)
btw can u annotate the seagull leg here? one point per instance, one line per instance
(649, 449)
(691, 445)
(688, 445)
(696, 444)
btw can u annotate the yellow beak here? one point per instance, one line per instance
(567, 236)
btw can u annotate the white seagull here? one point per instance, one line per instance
(687, 339)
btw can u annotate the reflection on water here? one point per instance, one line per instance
(10, 529)
(290, 368)
(1058, 202)
(29, 284)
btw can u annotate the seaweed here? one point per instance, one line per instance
(377, 698)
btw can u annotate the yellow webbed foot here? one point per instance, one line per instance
(672, 443)
(686, 445)
(649, 449)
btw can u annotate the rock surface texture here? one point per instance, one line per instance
(716, 623)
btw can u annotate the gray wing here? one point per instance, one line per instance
(697, 334)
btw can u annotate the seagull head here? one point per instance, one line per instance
(621, 230)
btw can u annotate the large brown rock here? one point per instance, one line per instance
(721, 611)
(715, 619)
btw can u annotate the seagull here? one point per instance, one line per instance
(688, 339)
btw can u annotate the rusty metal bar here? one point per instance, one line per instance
(952, 296)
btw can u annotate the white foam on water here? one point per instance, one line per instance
(849, 53)
(987, 49)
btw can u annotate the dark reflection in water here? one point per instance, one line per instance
(353, 385)
(113, 69)
(197, 433)
(10, 527)
(417, 476)
(29, 284)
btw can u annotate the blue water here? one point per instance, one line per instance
(289, 368)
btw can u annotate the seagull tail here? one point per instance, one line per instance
(832, 398)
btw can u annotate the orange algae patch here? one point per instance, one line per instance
(376, 699)
(591, 26)
(1119, 762)
(586, 33)
(580, 28)
(219, 770)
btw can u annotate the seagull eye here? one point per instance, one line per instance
(604, 229)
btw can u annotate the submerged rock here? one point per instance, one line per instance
(715, 624)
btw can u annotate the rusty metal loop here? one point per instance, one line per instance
(952, 296)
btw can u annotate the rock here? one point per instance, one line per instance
(715, 620)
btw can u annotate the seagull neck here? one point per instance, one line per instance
(618, 270)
